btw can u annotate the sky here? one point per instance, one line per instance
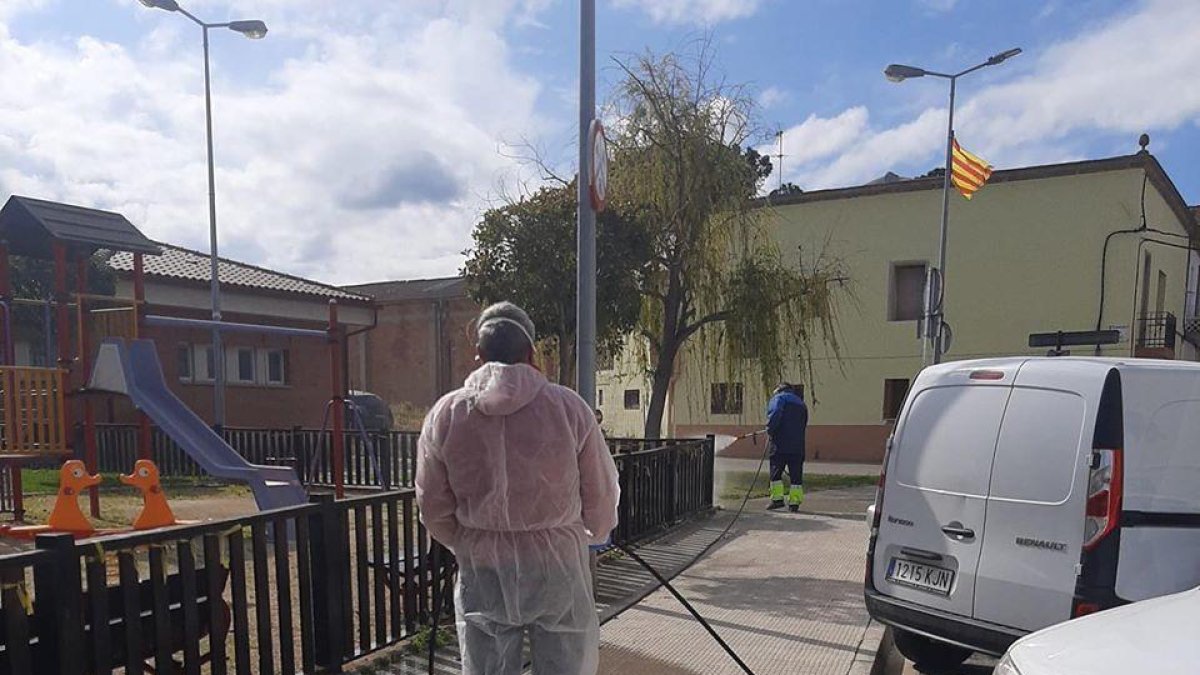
(361, 141)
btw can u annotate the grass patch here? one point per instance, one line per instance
(45, 482)
(737, 482)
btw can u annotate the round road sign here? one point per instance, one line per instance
(598, 171)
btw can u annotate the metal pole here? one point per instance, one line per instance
(586, 308)
(218, 353)
(937, 305)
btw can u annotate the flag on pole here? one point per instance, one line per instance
(969, 172)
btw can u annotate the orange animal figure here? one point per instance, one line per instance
(156, 512)
(73, 479)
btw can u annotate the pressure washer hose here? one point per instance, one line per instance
(678, 596)
(437, 599)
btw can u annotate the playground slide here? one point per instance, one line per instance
(132, 368)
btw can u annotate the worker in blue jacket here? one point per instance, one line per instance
(787, 422)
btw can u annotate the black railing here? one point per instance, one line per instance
(293, 590)
(662, 481)
(1157, 331)
(662, 486)
(1191, 330)
(306, 450)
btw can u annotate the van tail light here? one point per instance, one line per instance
(878, 515)
(1105, 489)
(879, 488)
(1085, 608)
(879, 498)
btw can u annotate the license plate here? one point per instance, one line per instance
(920, 576)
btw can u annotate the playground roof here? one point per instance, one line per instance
(30, 225)
(185, 264)
(415, 289)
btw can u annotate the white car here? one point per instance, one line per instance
(1153, 636)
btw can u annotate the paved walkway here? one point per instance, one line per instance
(785, 591)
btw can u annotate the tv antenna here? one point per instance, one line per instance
(779, 155)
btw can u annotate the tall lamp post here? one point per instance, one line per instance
(935, 287)
(255, 30)
(585, 316)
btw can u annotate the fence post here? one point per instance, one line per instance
(624, 468)
(672, 483)
(710, 476)
(60, 604)
(299, 455)
(326, 546)
(384, 453)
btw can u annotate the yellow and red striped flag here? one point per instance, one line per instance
(969, 172)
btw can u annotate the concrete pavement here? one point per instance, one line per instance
(784, 590)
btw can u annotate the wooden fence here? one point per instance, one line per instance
(301, 589)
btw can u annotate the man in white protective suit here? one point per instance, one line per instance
(514, 477)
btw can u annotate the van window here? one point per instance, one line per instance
(948, 437)
(1039, 446)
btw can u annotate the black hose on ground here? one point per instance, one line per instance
(678, 596)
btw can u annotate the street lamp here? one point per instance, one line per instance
(254, 30)
(935, 288)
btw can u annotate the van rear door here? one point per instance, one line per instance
(1035, 507)
(931, 528)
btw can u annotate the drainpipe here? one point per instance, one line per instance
(441, 377)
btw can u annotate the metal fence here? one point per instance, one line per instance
(293, 590)
(392, 464)
(662, 486)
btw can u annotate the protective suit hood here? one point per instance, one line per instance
(499, 390)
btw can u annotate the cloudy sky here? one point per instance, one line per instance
(361, 140)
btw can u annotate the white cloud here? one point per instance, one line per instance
(818, 137)
(771, 97)
(362, 157)
(939, 5)
(1130, 74)
(696, 12)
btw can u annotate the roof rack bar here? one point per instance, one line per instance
(231, 327)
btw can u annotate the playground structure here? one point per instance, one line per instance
(48, 411)
(66, 517)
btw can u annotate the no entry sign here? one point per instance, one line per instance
(598, 174)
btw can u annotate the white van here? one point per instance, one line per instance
(1019, 493)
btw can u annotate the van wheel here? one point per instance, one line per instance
(929, 654)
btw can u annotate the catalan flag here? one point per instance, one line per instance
(969, 172)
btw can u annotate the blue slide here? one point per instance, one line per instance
(132, 368)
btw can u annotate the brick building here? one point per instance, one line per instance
(271, 381)
(422, 346)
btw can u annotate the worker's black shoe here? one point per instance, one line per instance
(794, 508)
(775, 505)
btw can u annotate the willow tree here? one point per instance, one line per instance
(717, 279)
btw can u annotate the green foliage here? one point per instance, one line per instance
(735, 484)
(420, 642)
(525, 252)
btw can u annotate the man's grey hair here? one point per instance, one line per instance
(505, 334)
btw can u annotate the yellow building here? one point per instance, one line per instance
(1024, 256)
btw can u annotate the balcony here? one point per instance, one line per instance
(1156, 334)
(1191, 331)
